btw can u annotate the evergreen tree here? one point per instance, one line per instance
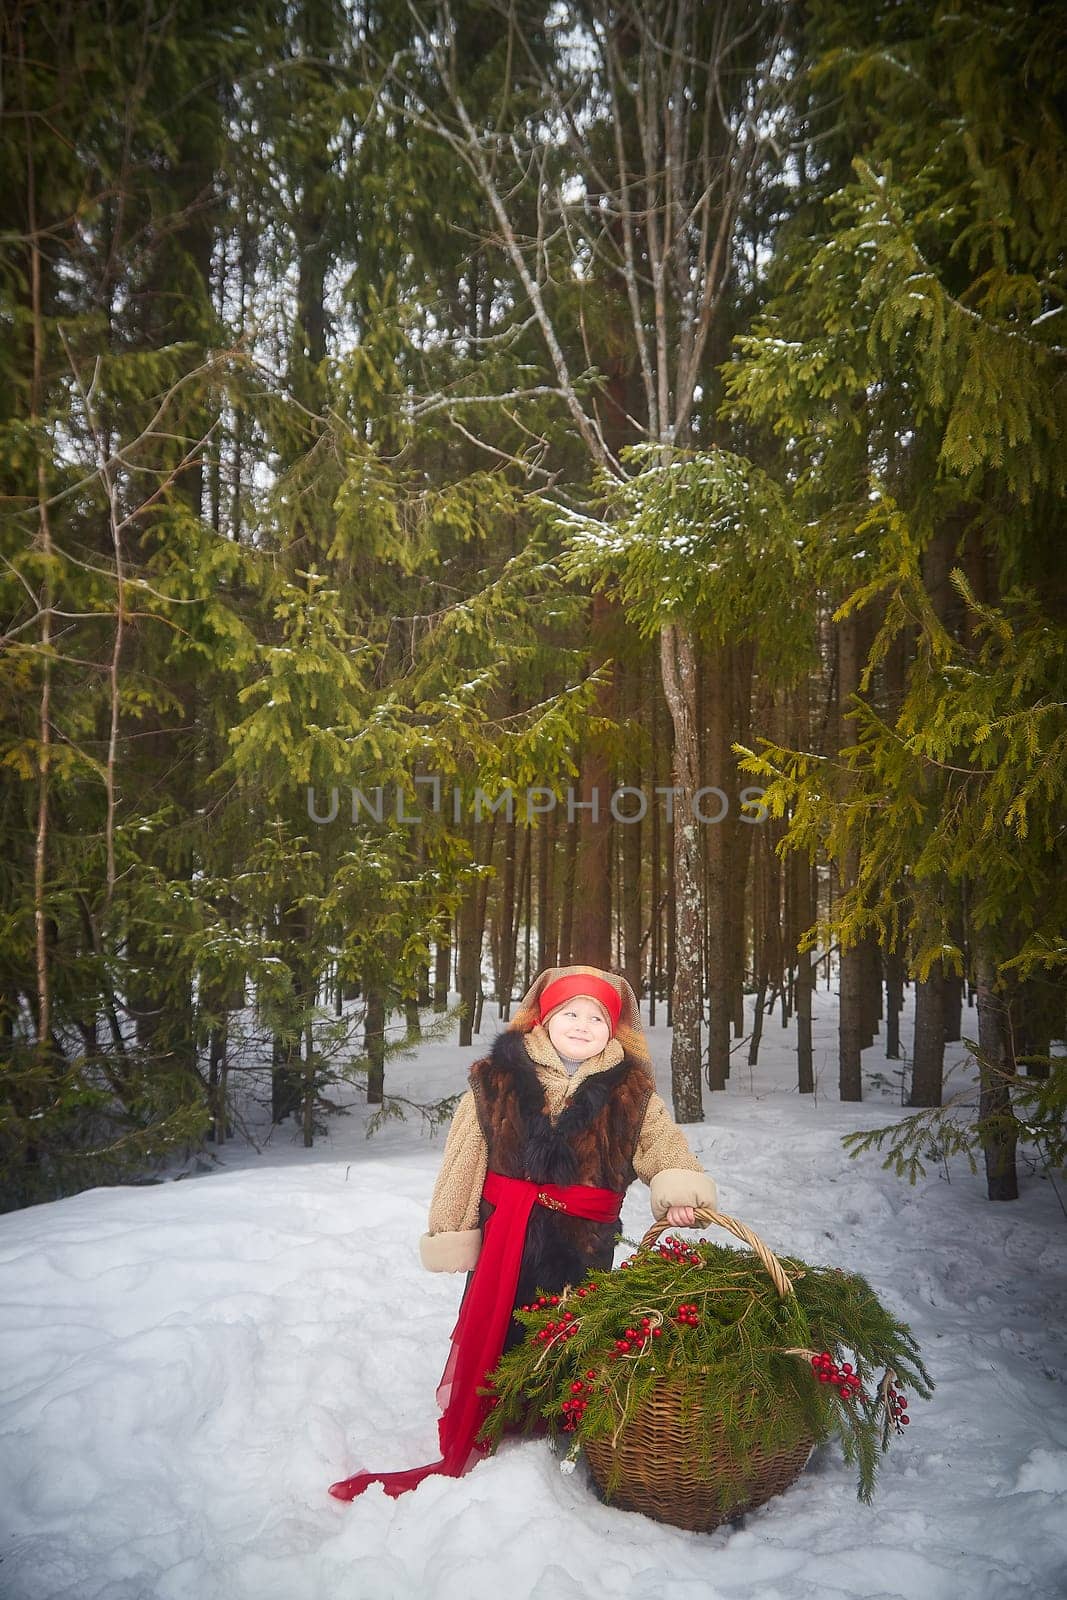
(923, 318)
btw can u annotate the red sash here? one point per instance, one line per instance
(480, 1331)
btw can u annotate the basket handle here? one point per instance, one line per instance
(704, 1214)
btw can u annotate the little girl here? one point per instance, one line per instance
(560, 1117)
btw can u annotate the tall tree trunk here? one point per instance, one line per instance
(679, 685)
(1000, 1133)
(566, 956)
(805, 913)
(591, 927)
(655, 915)
(894, 1003)
(546, 918)
(953, 1006)
(504, 948)
(633, 834)
(872, 990)
(716, 845)
(468, 965)
(929, 1048)
(218, 1074)
(481, 907)
(286, 1049)
(43, 541)
(852, 958)
(1036, 1014)
(442, 964)
(374, 1045)
(310, 1063)
(740, 835)
(511, 922)
(526, 908)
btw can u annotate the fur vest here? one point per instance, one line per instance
(592, 1141)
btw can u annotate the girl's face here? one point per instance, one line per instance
(579, 1029)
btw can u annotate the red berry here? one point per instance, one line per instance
(905, 1419)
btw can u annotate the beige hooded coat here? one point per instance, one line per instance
(662, 1158)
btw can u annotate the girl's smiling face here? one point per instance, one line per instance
(579, 1029)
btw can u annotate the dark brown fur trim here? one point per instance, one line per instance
(592, 1141)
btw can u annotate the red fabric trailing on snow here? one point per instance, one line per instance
(482, 1325)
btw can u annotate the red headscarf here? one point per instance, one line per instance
(561, 990)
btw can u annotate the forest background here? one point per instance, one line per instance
(468, 413)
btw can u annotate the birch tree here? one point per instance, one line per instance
(622, 143)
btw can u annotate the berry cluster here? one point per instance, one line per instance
(636, 1338)
(563, 1329)
(540, 1305)
(897, 1402)
(845, 1381)
(674, 1249)
(687, 1314)
(574, 1409)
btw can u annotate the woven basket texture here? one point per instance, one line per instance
(667, 1473)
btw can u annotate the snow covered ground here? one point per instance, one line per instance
(188, 1365)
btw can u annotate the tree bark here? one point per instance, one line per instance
(655, 913)
(804, 991)
(504, 947)
(872, 990)
(721, 920)
(468, 935)
(546, 921)
(632, 837)
(739, 836)
(929, 1046)
(1036, 1016)
(374, 1045)
(999, 1130)
(679, 685)
(852, 962)
(894, 1003)
(442, 965)
(566, 907)
(591, 928)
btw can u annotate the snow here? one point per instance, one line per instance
(190, 1364)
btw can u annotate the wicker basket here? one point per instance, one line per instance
(663, 1469)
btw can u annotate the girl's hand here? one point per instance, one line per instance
(680, 1216)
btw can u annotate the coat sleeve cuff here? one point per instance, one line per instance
(451, 1252)
(677, 1186)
